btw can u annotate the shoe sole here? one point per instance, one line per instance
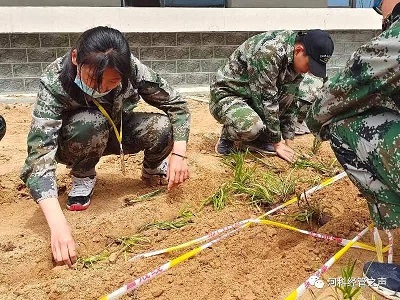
(78, 206)
(388, 294)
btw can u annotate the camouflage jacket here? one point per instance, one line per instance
(307, 87)
(261, 72)
(370, 80)
(53, 102)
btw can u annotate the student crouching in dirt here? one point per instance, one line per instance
(253, 94)
(85, 110)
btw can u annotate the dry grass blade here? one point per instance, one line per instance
(182, 220)
(144, 197)
(127, 244)
(90, 261)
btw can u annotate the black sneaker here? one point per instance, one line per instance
(224, 146)
(81, 191)
(259, 147)
(383, 278)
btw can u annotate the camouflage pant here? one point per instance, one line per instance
(2, 127)
(368, 147)
(240, 121)
(86, 136)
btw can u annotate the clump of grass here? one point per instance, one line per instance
(260, 191)
(145, 197)
(312, 212)
(183, 219)
(267, 190)
(316, 146)
(241, 173)
(283, 188)
(348, 291)
(220, 198)
(304, 163)
(257, 193)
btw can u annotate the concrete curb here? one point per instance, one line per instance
(31, 97)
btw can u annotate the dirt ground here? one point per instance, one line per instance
(260, 262)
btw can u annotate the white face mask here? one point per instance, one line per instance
(88, 90)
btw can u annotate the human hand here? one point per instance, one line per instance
(289, 143)
(285, 152)
(178, 170)
(63, 244)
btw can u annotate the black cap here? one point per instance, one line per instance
(319, 48)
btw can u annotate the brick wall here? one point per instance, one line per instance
(181, 58)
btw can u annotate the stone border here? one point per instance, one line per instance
(135, 19)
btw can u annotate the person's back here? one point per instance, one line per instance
(238, 76)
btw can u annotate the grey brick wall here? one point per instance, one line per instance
(181, 58)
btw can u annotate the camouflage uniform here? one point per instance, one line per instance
(253, 94)
(304, 94)
(75, 132)
(359, 111)
(2, 127)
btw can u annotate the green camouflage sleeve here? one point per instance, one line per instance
(158, 93)
(263, 85)
(307, 88)
(39, 169)
(370, 79)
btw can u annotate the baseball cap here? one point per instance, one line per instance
(319, 48)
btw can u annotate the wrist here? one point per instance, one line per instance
(179, 155)
(179, 148)
(52, 212)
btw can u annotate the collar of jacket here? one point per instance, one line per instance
(392, 18)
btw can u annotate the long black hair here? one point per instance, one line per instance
(100, 48)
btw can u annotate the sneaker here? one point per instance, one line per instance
(81, 191)
(301, 128)
(383, 278)
(158, 173)
(224, 146)
(259, 147)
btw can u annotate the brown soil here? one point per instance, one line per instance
(260, 262)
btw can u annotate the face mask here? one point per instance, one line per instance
(88, 90)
